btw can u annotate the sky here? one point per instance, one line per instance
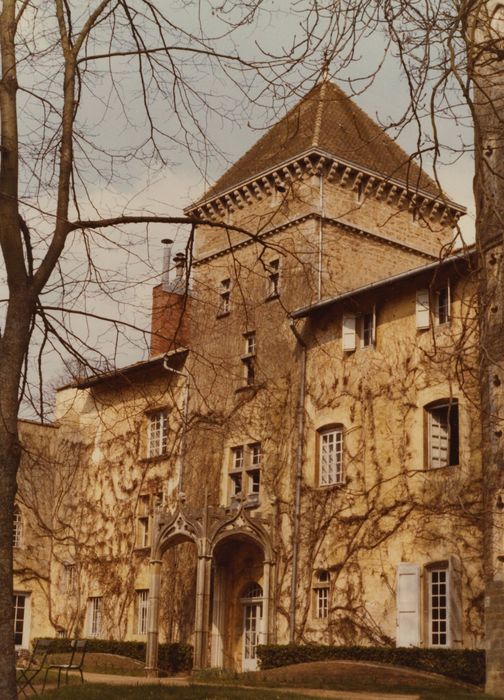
(205, 119)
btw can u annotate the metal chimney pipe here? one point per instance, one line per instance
(165, 278)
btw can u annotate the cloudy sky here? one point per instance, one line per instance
(216, 110)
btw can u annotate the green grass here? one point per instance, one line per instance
(107, 692)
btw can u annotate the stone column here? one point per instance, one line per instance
(202, 612)
(151, 660)
(266, 601)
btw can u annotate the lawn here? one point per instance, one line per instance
(107, 692)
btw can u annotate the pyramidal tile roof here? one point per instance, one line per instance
(326, 120)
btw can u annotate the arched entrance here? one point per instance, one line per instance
(233, 550)
(240, 602)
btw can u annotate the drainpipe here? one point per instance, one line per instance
(299, 478)
(185, 416)
(321, 233)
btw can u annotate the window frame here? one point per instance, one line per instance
(321, 593)
(17, 528)
(452, 429)
(142, 611)
(249, 357)
(25, 620)
(245, 469)
(273, 281)
(224, 308)
(143, 521)
(94, 612)
(336, 429)
(446, 306)
(157, 445)
(431, 569)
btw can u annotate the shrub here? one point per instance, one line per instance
(467, 665)
(173, 657)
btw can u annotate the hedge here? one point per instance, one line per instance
(171, 657)
(467, 665)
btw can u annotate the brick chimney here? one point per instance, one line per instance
(171, 307)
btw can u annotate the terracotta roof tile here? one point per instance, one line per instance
(326, 119)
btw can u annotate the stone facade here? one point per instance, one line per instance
(304, 462)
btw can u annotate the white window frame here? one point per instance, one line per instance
(330, 456)
(17, 525)
(249, 358)
(157, 434)
(142, 607)
(94, 616)
(422, 312)
(348, 332)
(25, 620)
(439, 638)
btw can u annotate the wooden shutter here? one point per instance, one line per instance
(422, 308)
(348, 332)
(408, 605)
(455, 602)
(373, 338)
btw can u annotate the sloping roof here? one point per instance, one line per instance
(327, 120)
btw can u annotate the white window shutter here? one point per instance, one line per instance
(455, 603)
(348, 332)
(422, 308)
(408, 605)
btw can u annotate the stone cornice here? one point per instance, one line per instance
(315, 161)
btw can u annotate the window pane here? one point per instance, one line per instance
(331, 453)
(438, 607)
(158, 434)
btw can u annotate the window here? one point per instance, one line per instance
(441, 302)
(158, 434)
(69, 577)
(321, 594)
(249, 358)
(348, 333)
(443, 434)
(245, 470)
(21, 623)
(143, 522)
(443, 306)
(17, 535)
(438, 607)
(142, 600)
(368, 329)
(225, 297)
(94, 616)
(331, 456)
(273, 279)
(439, 623)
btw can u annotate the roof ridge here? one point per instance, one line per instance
(318, 118)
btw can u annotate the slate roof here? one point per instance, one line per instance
(326, 120)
